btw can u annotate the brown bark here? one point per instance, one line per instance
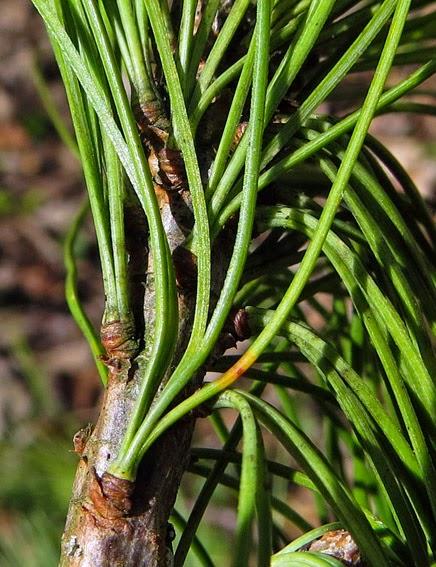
(99, 531)
(111, 522)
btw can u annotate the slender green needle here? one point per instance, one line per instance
(51, 109)
(281, 82)
(310, 148)
(186, 35)
(199, 42)
(336, 193)
(249, 483)
(72, 295)
(304, 559)
(219, 47)
(164, 335)
(197, 548)
(116, 196)
(141, 79)
(192, 361)
(183, 137)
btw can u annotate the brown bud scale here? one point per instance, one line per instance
(338, 544)
(111, 496)
(241, 325)
(117, 338)
(172, 169)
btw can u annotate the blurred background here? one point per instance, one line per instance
(48, 385)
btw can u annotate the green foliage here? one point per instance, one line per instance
(322, 210)
(37, 474)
